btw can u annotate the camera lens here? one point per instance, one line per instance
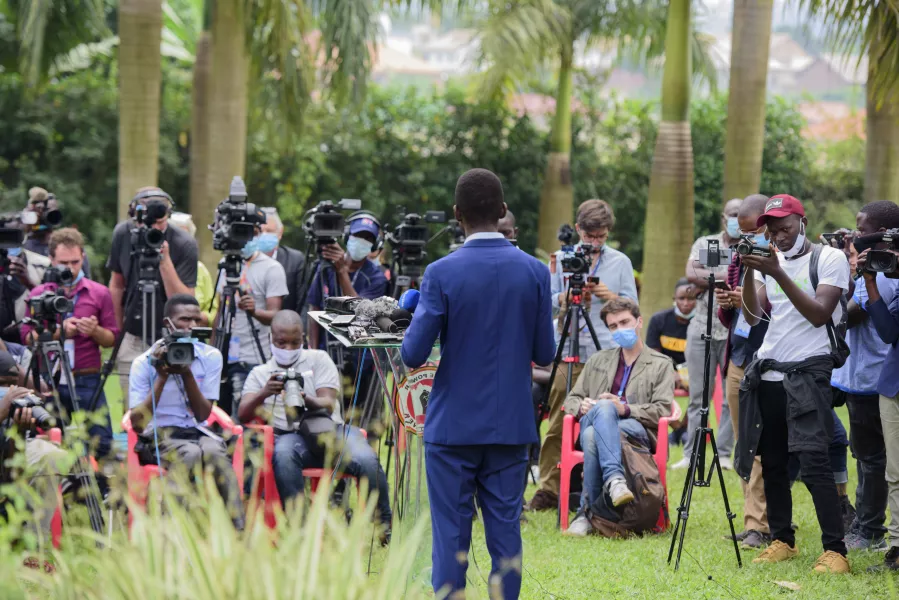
(154, 238)
(60, 304)
(180, 354)
(53, 218)
(880, 261)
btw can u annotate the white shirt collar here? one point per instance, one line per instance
(485, 235)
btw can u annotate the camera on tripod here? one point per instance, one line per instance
(747, 247)
(409, 238)
(59, 275)
(146, 242)
(49, 305)
(235, 219)
(325, 224)
(577, 261)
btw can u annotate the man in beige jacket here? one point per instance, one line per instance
(626, 389)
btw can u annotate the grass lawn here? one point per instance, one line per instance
(560, 568)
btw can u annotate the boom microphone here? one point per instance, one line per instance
(372, 309)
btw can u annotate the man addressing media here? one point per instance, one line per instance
(480, 419)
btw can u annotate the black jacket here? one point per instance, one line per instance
(809, 403)
(294, 263)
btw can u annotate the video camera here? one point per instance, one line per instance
(409, 238)
(59, 275)
(179, 346)
(50, 219)
(235, 220)
(11, 235)
(325, 224)
(747, 247)
(879, 261)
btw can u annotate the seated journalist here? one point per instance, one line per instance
(626, 389)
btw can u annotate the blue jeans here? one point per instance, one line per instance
(100, 430)
(292, 455)
(601, 444)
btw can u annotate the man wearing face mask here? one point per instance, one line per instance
(786, 397)
(698, 275)
(293, 261)
(668, 328)
(295, 448)
(625, 389)
(90, 327)
(263, 286)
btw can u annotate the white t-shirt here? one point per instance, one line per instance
(318, 371)
(790, 336)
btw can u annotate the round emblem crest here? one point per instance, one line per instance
(412, 398)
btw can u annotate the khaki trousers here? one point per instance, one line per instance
(755, 512)
(889, 417)
(551, 450)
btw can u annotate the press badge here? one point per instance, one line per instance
(743, 328)
(69, 347)
(234, 349)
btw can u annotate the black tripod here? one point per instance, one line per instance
(571, 331)
(407, 277)
(696, 473)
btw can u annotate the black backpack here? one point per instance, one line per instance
(836, 333)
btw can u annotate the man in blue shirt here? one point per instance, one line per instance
(489, 303)
(615, 272)
(175, 400)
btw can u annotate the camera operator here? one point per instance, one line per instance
(263, 286)
(177, 274)
(698, 276)
(26, 270)
(353, 274)
(46, 207)
(293, 261)
(44, 460)
(595, 221)
(506, 226)
(785, 397)
(204, 292)
(300, 436)
(882, 306)
(183, 396)
(89, 327)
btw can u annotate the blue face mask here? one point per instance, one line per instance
(687, 316)
(76, 280)
(733, 227)
(358, 248)
(626, 338)
(759, 240)
(267, 242)
(14, 251)
(250, 249)
(3, 391)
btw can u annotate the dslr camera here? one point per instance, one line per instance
(747, 247)
(43, 419)
(409, 238)
(50, 305)
(235, 220)
(577, 260)
(294, 401)
(325, 224)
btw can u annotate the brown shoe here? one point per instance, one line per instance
(777, 552)
(832, 562)
(543, 500)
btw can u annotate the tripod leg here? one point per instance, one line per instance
(683, 510)
(730, 515)
(589, 323)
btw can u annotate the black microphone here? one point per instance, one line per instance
(401, 318)
(386, 325)
(866, 242)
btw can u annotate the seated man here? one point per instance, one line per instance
(184, 397)
(297, 431)
(626, 389)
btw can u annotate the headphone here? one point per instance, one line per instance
(154, 193)
(364, 214)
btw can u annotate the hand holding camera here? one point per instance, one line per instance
(336, 256)
(766, 265)
(274, 386)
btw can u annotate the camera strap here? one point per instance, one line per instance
(836, 335)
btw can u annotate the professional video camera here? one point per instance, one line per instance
(747, 247)
(409, 238)
(146, 242)
(59, 275)
(235, 220)
(179, 347)
(11, 236)
(324, 224)
(457, 233)
(879, 261)
(47, 218)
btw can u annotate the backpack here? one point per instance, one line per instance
(836, 334)
(641, 515)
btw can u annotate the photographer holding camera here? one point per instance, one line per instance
(24, 273)
(610, 276)
(176, 274)
(89, 327)
(786, 397)
(175, 397)
(48, 217)
(305, 415)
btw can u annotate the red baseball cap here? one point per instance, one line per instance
(779, 206)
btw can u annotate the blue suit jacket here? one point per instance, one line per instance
(490, 304)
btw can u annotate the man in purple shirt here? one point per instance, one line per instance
(89, 327)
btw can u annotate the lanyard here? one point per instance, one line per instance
(624, 380)
(74, 304)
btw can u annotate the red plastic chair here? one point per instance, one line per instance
(139, 475)
(266, 488)
(571, 429)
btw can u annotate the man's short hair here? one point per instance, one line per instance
(287, 318)
(68, 237)
(753, 205)
(479, 197)
(178, 300)
(595, 214)
(618, 305)
(271, 216)
(882, 213)
(681, 283)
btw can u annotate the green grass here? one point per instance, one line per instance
(560, 568)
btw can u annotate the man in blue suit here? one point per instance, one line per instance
(490, 305)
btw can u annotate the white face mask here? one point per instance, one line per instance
(358, 248)
(285, 357)
(800, 243)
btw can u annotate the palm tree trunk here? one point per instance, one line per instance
(199, 122)
(557, 196)
(746, 101)
(227, 112)
(669, 210)
(882, 148)
(140, 78)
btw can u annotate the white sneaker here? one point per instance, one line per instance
(681, 464)
(535, 473)
(726, 464)
(619, 492)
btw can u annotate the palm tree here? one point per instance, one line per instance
(517, 38)
(871, 27)
(140, 81)
(750, 39)
(669, 210)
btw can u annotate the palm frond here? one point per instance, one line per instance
(182, 22)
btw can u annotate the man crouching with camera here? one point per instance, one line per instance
(296, 391)
(174, 392)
